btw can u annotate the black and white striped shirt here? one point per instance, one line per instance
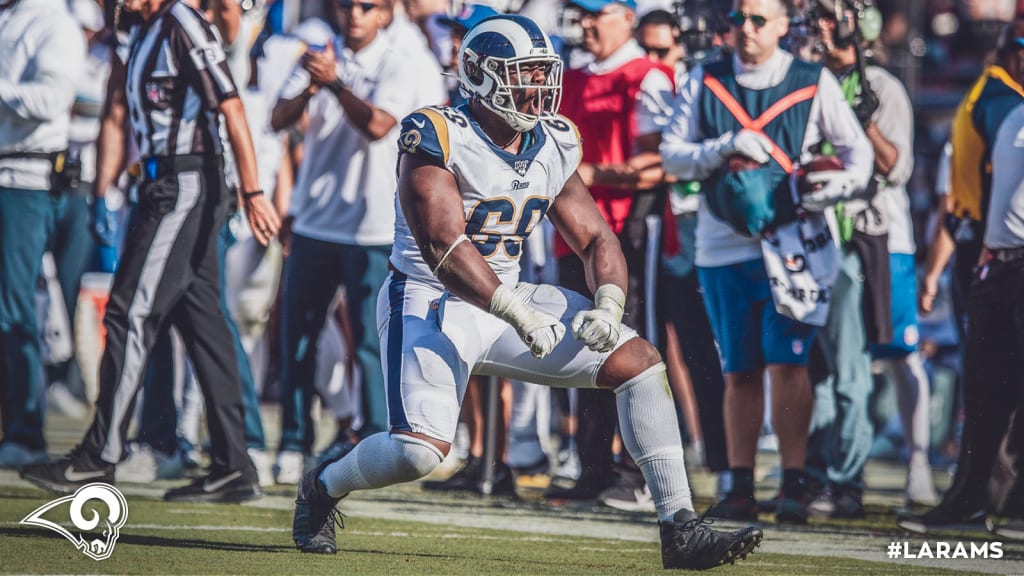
(177, 77)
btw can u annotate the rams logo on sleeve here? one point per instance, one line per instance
(410, 140)
(425, 134)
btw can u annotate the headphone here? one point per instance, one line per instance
(869, 20)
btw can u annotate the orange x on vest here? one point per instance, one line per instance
(748, 123)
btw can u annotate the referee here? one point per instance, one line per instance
(173, 84)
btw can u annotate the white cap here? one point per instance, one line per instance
(87, 13)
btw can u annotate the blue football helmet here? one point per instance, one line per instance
(498, 58)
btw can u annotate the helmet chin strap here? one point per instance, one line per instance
(512, 117)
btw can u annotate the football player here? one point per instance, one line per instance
(474, 181)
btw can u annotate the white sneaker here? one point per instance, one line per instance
(291, 465)
(920, 487)
(569, 466)
(624, 497)
(144, 465)
(264, 470)
(14, 456)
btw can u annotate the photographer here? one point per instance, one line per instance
(873, 302)
(43, 52)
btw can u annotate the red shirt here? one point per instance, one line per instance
(603, 106)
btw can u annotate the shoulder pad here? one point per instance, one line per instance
(562, 129)
(425, 133)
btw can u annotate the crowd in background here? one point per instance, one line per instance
(304, 308)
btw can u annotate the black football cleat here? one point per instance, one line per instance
(69, 473)
(688, 543)
(316, 514)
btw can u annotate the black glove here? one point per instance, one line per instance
(866, 104)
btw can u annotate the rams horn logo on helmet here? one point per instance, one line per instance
(117, 514)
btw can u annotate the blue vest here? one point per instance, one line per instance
(754, 200)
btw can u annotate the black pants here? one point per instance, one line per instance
(170, 272)
(596, 409)
(684, 307)
(989, 470)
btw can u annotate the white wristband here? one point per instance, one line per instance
(610, 298)
(509, 307)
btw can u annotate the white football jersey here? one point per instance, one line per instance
(504, 195)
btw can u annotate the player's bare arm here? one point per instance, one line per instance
(577, 219)
(432, 207)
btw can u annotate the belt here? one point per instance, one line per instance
(1007, 254)
(30, 155)
(154, 167)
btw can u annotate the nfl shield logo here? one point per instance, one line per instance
(155, 92)
(521, 166)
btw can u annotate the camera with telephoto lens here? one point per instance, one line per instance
(699, 25)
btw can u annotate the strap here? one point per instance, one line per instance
(773, 112)
(787, 102)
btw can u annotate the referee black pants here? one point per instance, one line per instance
(169, 272)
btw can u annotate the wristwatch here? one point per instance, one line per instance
(337, 86)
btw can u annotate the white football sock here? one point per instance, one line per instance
(912, 396)
(381, 460)
(650, 432)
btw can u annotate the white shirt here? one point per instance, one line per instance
(654, 100)
(42, 53)
(1005, 221)
(895, 120)
(88, 108)
(428, 81)
(685, 154)
(345, 188)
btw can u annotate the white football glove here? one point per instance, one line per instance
(748, 143)
(540, 331)
(599, 328)
(837, 185)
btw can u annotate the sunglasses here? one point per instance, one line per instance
(661, 53)
(347, 6)
(737, 19)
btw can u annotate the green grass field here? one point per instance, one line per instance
(406, 530)
(163, 538)
(201, 539)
